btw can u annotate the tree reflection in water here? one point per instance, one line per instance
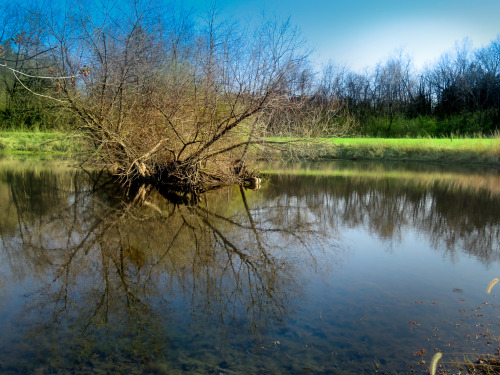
(116, 269)
(454, 216)
(149, 279)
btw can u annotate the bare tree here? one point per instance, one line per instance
(168, 102)
(393, 88)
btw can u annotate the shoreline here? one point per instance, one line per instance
(482, 151)
(56, 144)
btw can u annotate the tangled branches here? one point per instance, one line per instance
(161, 99)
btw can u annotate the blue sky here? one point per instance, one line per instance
(359, 33)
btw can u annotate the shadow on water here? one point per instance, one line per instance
(95, 278)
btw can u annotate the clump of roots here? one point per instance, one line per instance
(149, 155)
(186, 175)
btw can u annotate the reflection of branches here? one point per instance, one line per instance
(255, 271)
(452, 218)
(113, 263)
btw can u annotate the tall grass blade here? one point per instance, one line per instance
(491, 285)
(434, 362)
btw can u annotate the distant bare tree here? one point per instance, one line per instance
(393, 87)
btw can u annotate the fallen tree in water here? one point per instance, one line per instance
(161, 99)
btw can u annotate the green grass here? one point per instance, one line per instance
(461, 150)
(56, 143)
(446, 150)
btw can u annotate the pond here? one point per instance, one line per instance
(328, 268)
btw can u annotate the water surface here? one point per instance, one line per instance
(329, 268)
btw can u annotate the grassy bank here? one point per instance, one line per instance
(462, 150)
(444, 150)
(55, 143)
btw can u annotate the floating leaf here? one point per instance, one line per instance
(419, 353)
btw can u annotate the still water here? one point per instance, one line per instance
(332, 268)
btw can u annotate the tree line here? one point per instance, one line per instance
(164, 94)
(459, 94)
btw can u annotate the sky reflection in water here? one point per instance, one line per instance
(348, 273)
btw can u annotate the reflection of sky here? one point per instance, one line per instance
(362, 32)
(351, 299)
(368, 303)
(411, 265)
